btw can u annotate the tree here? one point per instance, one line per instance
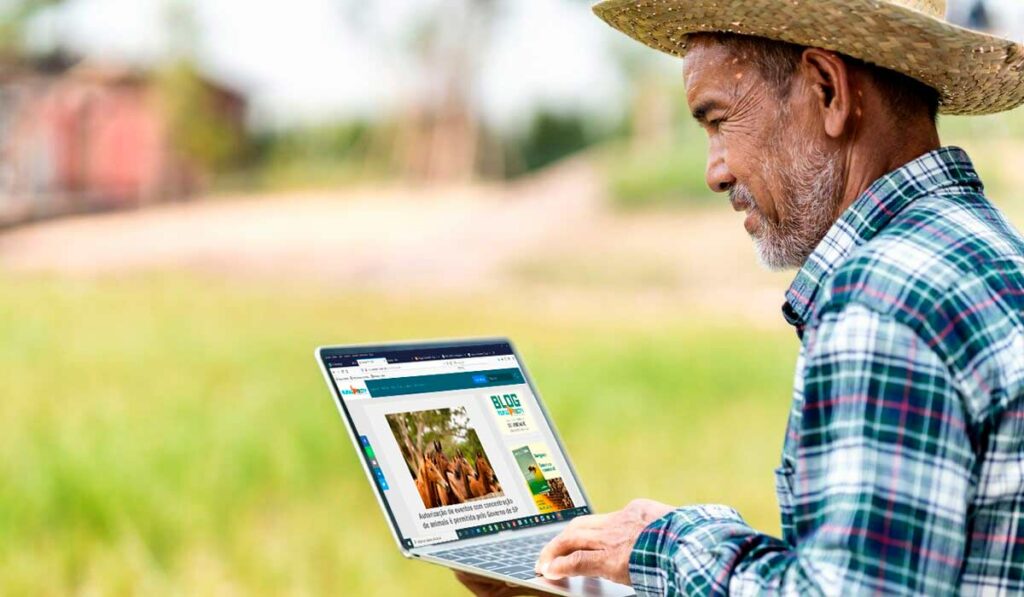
(196, 114)
(197, 126)
(14, 17)
(437, 136)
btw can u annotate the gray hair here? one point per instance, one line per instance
(776, 61)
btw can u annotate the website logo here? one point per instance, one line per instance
(352, 391)
(506, 405)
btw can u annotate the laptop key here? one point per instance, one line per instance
(515, 558)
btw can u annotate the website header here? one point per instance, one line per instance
(341, 357)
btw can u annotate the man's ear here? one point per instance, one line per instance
(829, 79)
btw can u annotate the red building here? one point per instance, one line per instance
(89, 138)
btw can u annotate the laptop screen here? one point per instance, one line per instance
(455, 439)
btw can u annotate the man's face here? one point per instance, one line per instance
(766, 152)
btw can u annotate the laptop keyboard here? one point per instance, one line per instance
(514, 557)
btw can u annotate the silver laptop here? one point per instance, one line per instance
(462, 455)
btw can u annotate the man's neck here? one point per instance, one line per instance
(871, 157)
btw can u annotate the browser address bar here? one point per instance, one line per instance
(428, 367)
(440, 366)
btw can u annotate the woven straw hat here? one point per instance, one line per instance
(975, 73)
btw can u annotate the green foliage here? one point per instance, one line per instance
(197, 125)
(335, 142)
(659, 177)
(14, 15)
(1004, 125)
(319, 156)
(551, 136)
(673, 176)
(659, 173)
(340, 153)
(449, 427)
(172, 435)
(994, 143)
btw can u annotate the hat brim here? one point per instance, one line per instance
(974, 73)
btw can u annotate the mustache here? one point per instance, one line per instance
(742, 195)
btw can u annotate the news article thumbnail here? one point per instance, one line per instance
(542, 478)
(444, 456)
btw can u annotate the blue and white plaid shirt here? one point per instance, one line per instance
(903, 463)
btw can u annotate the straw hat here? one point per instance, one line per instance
(975, 73)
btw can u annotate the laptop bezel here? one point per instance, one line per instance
(364, 461)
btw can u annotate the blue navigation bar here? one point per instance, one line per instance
(443, 382)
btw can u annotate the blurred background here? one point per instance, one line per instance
(193, 195)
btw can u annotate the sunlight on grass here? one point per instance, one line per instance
(171, 434)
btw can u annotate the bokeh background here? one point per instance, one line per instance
(193, 195)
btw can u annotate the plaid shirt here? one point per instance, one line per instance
(903, 463)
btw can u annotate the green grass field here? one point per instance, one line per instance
(167, 434)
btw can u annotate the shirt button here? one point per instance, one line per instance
(790, 314)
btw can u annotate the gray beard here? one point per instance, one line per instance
(813, 182)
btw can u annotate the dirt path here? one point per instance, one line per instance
(550, 234)
(437, 235)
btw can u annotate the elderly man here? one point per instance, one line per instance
(902, 468)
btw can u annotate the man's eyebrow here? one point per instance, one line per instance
(701, 110)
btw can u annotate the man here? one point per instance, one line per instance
(902, 468)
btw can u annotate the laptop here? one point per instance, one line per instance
(462, 456)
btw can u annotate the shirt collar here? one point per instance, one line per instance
(871, 212)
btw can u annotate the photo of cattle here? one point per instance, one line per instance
(444, 456)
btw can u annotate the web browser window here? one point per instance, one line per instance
(455, 440)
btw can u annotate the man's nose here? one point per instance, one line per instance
(717, 176)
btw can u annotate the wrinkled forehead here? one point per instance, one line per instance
(711, 65)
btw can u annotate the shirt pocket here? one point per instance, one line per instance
(784, 493)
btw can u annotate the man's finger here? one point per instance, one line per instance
(577, 563)
(569, 541)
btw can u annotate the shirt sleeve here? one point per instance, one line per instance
(880, 486)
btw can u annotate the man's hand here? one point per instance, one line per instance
(481, 586)
(600, 544)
